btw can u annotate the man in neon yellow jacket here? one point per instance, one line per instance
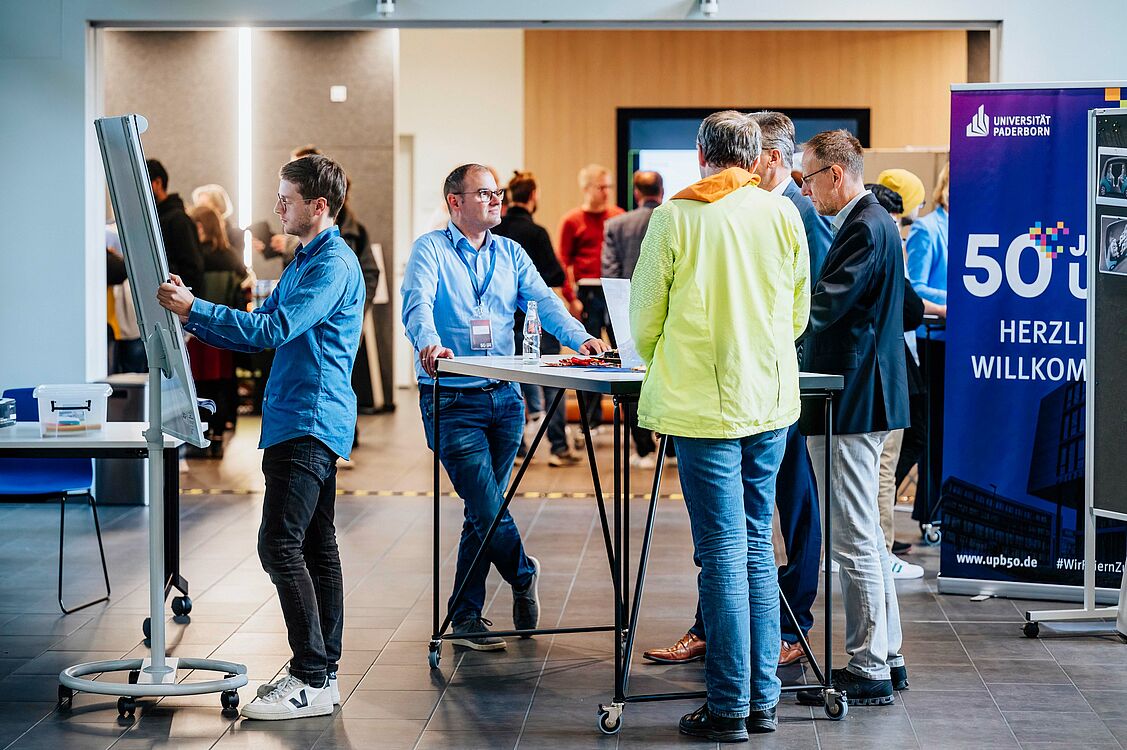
(720, 293)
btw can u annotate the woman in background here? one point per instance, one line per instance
(216, 197)
(226, 282)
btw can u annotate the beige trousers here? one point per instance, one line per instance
(886, 484)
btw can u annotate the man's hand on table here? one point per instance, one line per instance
(593, 346)
(430, 355)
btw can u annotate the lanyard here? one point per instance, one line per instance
(478, 293)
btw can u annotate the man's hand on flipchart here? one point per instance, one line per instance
(173, 295)
(430, 355)
(593, 346)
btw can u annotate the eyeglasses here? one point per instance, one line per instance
(485, 196)
(806, 177)
(285, 203)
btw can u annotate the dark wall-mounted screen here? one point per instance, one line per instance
(664, 140)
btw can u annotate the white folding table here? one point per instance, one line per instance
(623, 386)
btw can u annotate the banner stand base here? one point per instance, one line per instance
(1023, 590)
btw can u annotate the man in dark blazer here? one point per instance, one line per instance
(622, 240)
(856, 330)
(796, 495)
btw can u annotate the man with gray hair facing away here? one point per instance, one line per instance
(717, 299)
(856, 330)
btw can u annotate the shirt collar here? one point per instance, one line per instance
(461, 242)
(318, 241)
(782, 186)
(843, 214)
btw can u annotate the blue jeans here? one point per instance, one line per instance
(796, 497)
(297, 545)
(481, 432)
(539, 398)
(729, 488)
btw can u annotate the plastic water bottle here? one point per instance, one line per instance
(532, 335)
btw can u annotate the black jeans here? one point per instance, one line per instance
(595, 318)
(297, 545)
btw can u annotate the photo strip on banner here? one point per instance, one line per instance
(1111, 179)
(1113, 244)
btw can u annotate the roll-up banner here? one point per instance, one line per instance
(1013, 464)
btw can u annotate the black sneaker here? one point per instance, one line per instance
(761, 722)
(526, 601)
(900, 548)
(859, 691)
(899, 678)
(701, 723)
(474, 634)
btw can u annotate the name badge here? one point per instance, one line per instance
(481, 335)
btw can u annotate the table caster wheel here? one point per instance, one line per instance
(229, 699)
(610, 718)
(182, 605)
(1031, 629)
(65, 695)
(126, 707)
(435, 655)
(931, 535)
(147, 628)
(836, 706)
(134, 675)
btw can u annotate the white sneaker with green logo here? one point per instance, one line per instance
(290, 699)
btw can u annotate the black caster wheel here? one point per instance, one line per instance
(610, 722)
(1031, 629)
(182, 605)
(134, 675)
(434, 657)
(147, 628)
(65, 695)
(837, 708)
(126, 707)
(229, 699)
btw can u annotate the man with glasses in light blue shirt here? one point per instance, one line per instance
(462, 286)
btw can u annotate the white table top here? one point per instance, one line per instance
(24, 435)
(592, 380)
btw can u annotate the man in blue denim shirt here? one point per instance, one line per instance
(308, 415)
(456, 277)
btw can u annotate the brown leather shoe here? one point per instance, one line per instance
(790, 653)
(689, 648)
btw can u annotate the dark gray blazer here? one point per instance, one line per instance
(622, 240)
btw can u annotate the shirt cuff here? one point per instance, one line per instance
(201, 312)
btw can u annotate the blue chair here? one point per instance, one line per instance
(52, 476)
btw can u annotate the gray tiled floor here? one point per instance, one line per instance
(976, 682)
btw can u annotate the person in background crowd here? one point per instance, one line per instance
(181, 243)
(215, 196)
(128, 349)
(581, 254)
(622, 242)
(892, 202)
(227, 283)
(312, 319)
(719, 295)
(462, 273)
(926, 248)
(856, 331)
(355, 235)
(911, 192)
(523, 198)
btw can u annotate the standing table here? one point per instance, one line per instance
(623, 386)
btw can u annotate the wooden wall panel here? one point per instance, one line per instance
(576, 79)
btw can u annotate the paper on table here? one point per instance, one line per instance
(617, 292)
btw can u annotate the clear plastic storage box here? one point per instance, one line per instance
(71, 409)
